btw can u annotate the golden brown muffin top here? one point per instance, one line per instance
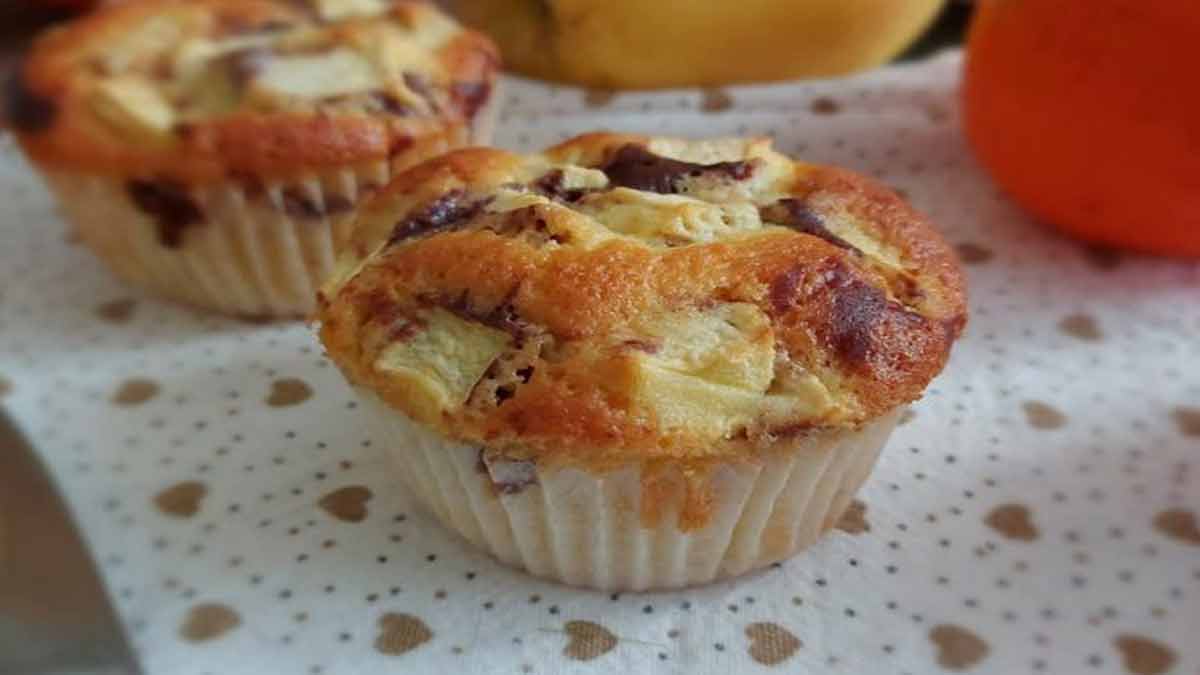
(625, 297)
(204, 88)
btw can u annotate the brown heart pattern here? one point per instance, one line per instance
(207, 622)
(715, 100)
(347, 504)
(854, 518)
(825, 106)
(117, 311)
(598, 98)
(1180, 525)
(401, 633)
(135, 391)
(288, 391)
(974, 254)
(1143, 656)
(1013, 521)
(1043, 416)
(957, 647)
(1081, 326)
(771, 644)
(587, 640)
(1187, 420)
(181, 500)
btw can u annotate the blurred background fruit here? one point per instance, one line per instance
(1088, 114)
(639, 44)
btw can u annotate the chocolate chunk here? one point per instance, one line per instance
(796, 215)
(553, 185)
(783, 289)
(244, 65)
(419, 85)
(857, 307)
(502, 317)
(445, 212)
(508, 476)
(469, 97)
(169, 203)
(27, 111)
(633, 166)
(390, 104)
(505, 318)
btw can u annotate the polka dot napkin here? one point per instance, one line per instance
(1038, 511)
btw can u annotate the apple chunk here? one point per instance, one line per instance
(133, 106)
(333, 10)
(712, 371)
(317, 76)
(439, 360)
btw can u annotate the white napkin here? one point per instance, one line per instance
(1038, 514)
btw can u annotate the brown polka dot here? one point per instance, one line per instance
(135, 392)
(854, 519)
(182, 500)
(974, 254)
(598, 98)
(208, 622)
(400, 633)
(907, 416)
(1043, 415)
(825, 106)
(1103, 258)
(72, 237)
(5, 386)
(288, 391)
(1180, 525)
(957, 647)
(587, 640)
(937, 114)
(770, 643)
(1081, 326)
(716, 100)
(1187, 420)
(1143, 656)
(348, 504)
(117, 311)
(1012, 521)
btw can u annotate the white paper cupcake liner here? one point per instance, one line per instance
(585, 529)
(263, 248)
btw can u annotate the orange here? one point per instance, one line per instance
(1088, 114)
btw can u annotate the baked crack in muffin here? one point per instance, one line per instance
(632, 363)
(213, 151)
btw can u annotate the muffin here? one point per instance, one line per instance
(638, 363)
(213, 151)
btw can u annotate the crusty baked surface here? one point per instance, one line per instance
(629, 297)
(202, 89)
